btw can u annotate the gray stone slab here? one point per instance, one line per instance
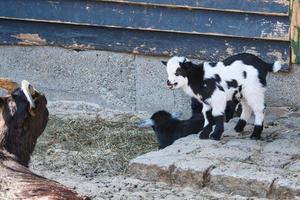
(245, 145)
(275, 160)
(235, 165)
(283, 146)
(242, 179)
(193, 171)
(287, 187)
(294, 166)
(180, 170)
(177, 164)
(225, 154)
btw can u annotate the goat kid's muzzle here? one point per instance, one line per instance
(171, 85)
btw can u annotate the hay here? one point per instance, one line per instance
(90, 147)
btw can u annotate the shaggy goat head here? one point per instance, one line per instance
(23, 118)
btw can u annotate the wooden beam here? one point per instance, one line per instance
(295, 31)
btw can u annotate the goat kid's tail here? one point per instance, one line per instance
(274, 67)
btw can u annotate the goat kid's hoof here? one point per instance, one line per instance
(203, 136)
(240, 126)
(255, 137)
(215, 137)
(256, 132)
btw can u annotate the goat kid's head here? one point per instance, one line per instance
(177, 69)
(23, 118)
(163, 124)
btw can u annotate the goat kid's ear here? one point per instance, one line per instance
(145, 123)
(164, 63)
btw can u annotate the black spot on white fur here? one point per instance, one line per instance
(221, 88)
(218, 79)
(213, 64)
(248, 59)
(180, 72)
(240, 88)
(232, 84)
(244, 74)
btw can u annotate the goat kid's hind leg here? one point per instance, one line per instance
(218, 103)
(258, 107)
(245, 116)
(208, 122)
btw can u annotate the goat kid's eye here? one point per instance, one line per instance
(176, 74)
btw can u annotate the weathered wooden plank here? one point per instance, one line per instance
(295, 31)
(149, 18)
(212, 48)
(261, 6)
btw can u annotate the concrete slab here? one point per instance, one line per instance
(92, 76)
(151, 91)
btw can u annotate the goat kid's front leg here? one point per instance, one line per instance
(218, 104)
(208, 123)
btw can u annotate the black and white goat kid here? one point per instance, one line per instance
(241, 76)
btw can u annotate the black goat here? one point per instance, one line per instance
(168, 127)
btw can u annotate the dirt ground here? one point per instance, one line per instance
(91, 156)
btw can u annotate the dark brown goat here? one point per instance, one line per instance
(23, 118)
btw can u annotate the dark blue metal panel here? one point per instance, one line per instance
(150, 18)
(150, 43)
(264, 6)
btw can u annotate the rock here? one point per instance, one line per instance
(175, 164)
(283, 146)
(287, 187)
(192, 172)
(274, 113)
(276, 160)
(242, 179)
(294, 166)
(235, 165)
